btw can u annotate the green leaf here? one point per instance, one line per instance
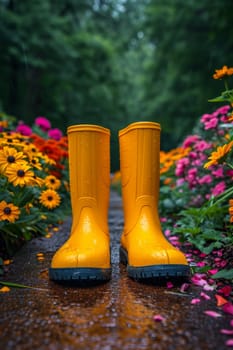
(18, 285)
(227, 274)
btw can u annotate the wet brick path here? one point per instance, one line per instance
(111, 316)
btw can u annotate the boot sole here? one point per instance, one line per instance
(154, 271)
(80, 274)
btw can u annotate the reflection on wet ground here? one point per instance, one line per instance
(110, 316)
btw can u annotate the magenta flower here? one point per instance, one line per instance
(24, 129)
(219, 188)
(55, 134)
(180, 166)
(43, 123)
(190, 140)
(223, 109)
(206, 179)
(206, 118)
(218, 173)
(202, 145)
(211, 124)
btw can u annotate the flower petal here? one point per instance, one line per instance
(226, 331)
(4, 289)
(169, 285)
(212, 313)
(226, 290)
(229, 342)
(220, 300)
(205, 296)
(195, 301)
(184, 287)
(228, 308)
(158, 318)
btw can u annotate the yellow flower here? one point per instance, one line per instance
(8, 211)
(218, 156)
(48, 160)
(31, 150)
(9, 156)
(50, 199)
(35, 163)
(20, 174)
(36, 181)
(52, 182)
(223, 72)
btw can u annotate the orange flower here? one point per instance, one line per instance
(218, 156)
(231, 209)
(223, 72)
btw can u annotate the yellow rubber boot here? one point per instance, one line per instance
(144, 248)
(86, 254)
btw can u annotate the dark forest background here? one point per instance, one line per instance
(113, 62)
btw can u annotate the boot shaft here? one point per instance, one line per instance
(89, 168)
(140, 168)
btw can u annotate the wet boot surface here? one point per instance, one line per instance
(118, 314)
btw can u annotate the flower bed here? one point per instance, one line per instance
(34, 181)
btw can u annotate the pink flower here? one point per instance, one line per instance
(180, 166)
(206, 179)
(55, 134)
(219, 188)
(206, 118)
(24, 129)
(211, 124)
(179, 182)
(218, 173)
(202, 146)
(43, 123)
(167, 232)
(190, 140)
(223, 109)
(201, 263)
(193, 155)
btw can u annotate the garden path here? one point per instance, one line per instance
(111, 316)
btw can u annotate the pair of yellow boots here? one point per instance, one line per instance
(144, 249)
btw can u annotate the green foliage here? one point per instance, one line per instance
(227, 274)
(204, 228)
(191, 39)
(113, 62)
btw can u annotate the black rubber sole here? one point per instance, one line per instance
(154, 271)
(80, 274)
